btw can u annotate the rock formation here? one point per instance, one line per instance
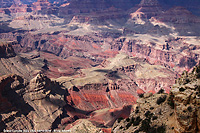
(185, 97)
(6, 50)
(182, 19)
(32, 106)
(116, 83)
(101, 57)
(174, 112)
(41, 5)
(23, 65)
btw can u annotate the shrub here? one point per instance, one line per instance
(161, 99)
(154, 117)
(127, 119)
(119, 119)
(181, 89)
(161, 91)
(141, 95)
(137, 121)
(189, 108)
(170, 101)
(145, 125)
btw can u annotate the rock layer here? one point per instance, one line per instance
(32, 106)
(176, 112)
(6, 50)
(185, 96)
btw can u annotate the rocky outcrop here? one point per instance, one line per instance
(88, 46)
(41, 5)
(29, 6)
(93, 96)
(12, 82)
(24, 65)
(12, 104)
(185, 97)
(149, 116)
(100, 17)
(175, 112)
(179, 15)
(33, 105)
(87, 6)
(19, 8)
(145, 10)
(165, 55)
(117, 83)
(47, 104)
(98, 120)
(182, 19)
(96, 49)
(6, 50)
(6, 3)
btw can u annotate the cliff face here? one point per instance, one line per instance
(41, 5)
(116, 83)
(101, 55)
(159, 51)
(7, 3)
(44, 101)
(185, 96)
(174, 112)
(21, 64)
(182, 19)
(32, 106)
(6, 50)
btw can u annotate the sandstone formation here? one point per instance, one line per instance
(40, 105)
(31, 106)
(41, 5)
(185, 97)
(23, 64)
(160, 51)
(182, 19)
(101, 57)
(6, 50)
(148, 7)
(116, 83)
(175, 112)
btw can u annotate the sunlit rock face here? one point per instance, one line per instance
(35, 102)
(7, 50)
(81, 62)
(175, 112)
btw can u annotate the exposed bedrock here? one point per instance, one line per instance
(6, 50)
(33, 105)
(116, 84)
(169, 54)
(99, 96)
(177, 112)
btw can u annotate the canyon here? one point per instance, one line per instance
(73, 63)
